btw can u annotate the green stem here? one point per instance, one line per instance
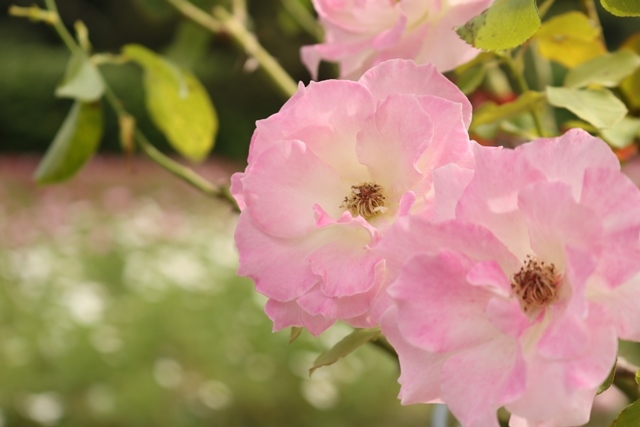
(304, 18)
(523, 87)
(239, 8)
(62, 31)
(590, 7)
(183, 172)
(223, 21)
(544, 8)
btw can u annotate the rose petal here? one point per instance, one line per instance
(475, 382)
(279, 267)
(419, 369)
(307, 181)
(287, 314)
(401, 127)
(437, 309)
(404, 76)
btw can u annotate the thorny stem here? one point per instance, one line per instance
(223, 21)
(518, 77)
(182, 172)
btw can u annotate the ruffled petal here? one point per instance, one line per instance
(287, 314)
(284, 184)
(404, 76)
(279, 267)
(567, 157)
(326, 117)
(419, 369)
(491, 198)
(437, 309)
(479, 380)
(561, 392)
(616, 200)
(621, 306)
(400, 127)
(407, 238)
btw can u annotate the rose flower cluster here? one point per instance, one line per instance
(502, 277)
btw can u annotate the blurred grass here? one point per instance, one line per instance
(119, 307)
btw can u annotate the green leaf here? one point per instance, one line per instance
(81, 81)
(622, 7)
(490, 112)
(569, 39)
(178, 104)
(599, 107)
(295, 333)
(637, 377)
(344, 347)
(73, 145)
(623, 134)
(607, 383)
(505, 25)
(629, 417)
(630, 87)
(630, 351)
(607, 70)
(470, 78)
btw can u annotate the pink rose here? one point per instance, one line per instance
(520, 299)
(329, 174)
(362, 33)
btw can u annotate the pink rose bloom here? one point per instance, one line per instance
(519, 300)
(328, 175)
(362, 33)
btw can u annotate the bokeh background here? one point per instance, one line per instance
(119, 305)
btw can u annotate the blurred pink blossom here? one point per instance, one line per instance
(329, 174)
(362, 33)
(519, 300)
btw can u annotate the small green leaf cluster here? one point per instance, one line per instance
(543, 76)
(177, 103)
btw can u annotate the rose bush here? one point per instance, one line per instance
(519, 297)
(362, 33)
(329, 174)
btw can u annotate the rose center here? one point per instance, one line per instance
(536, 285)
(365, 200)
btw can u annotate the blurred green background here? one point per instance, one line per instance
(118, 300)
(119, 307)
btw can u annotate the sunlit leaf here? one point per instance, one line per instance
(607, 70)
(622, 134)
(74, 144)
(178, 104)
(630, 86)
(622, 7)
(491, 112)
(599, 107)
(505, 25)
(344, 347)
(81, 81)
(569, 39)
(607, 383)
(629, 417)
